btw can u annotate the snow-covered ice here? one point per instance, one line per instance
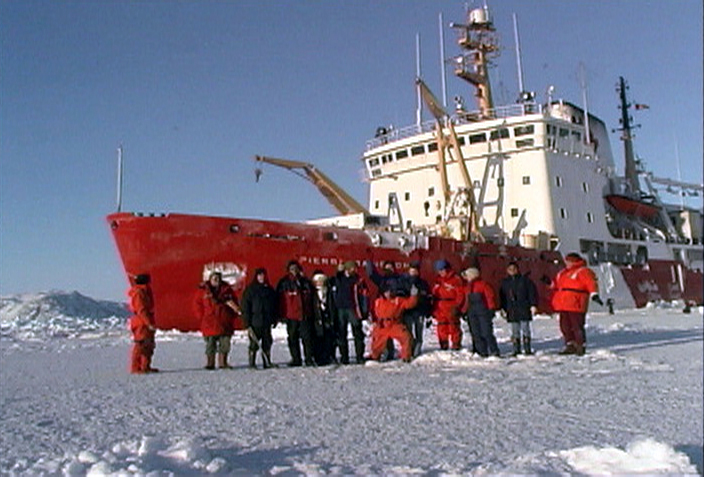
(633, 404)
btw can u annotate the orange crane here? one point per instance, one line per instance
(344, 203)
(451, 144)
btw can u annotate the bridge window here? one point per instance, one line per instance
(402, 154)
(499, 133)
(374, 162)
(432, 147)
(564, 132)
(477, 138)
(523, 130)
(460, 140)
(552, 130)
(376, 172)
(525, 142)
(386, 158)
(417, 150)
(576, 135)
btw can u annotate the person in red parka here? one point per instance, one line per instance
(572, 288)
(296, 307)
(216, 307)
(388, 322)
(448, 295)
(479, 306)
(142, 325)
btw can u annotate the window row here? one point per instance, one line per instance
(477, 138)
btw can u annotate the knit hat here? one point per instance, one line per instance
(319, 277)
(441, 265)
(573, 257)
(142, 279)
(471, 273)
(350, 265)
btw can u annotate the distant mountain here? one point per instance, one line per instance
(57, 314)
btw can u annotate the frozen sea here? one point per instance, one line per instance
(631, 405)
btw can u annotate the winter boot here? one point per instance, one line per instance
(266, 359)
(569, 349)
(526, 346)
(222, 361)
(210, 361)
(253, 359)
(516, 346)
(579, 349)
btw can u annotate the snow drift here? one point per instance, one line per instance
(632, 405)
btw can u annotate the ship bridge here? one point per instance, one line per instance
(523, 160)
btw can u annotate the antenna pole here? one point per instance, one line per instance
(679, 170)
(119, 178)
(442, 62)
(419, 103)
(583, 84)
(519, 64)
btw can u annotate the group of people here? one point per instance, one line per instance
(319, 312)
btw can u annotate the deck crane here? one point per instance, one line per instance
(338, 198)
(442, 119)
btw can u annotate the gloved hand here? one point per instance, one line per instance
(597, 299)
(428, 322)
(414, 290)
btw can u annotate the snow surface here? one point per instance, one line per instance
(632, 405)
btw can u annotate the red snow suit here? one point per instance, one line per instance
(573, 286)
(142, 327)
(388, 325)
(211, 307)
(484, 289)
(448, 294)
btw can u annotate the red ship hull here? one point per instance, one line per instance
(176, 250)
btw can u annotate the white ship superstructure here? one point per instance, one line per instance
(534, 174)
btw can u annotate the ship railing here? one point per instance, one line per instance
(388, 135)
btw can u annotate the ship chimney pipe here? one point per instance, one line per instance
(119, 178)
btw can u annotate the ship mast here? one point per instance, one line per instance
(626, 129)
(478, 39)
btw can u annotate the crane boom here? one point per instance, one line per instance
(441, 117)
(342, 202)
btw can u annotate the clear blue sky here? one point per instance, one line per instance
(193, 90)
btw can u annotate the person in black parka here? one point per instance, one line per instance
(414, 319)
(518, 298)
(325, 337)
(259, 305)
